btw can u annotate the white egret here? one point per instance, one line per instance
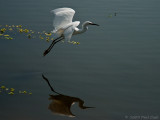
(64, 28)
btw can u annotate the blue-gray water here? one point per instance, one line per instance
(114, 69)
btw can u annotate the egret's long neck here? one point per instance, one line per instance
(83, 29)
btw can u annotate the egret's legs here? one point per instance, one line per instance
(49, 85)
(52, 44)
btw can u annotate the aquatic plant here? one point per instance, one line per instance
(9, 32)
(12, 91)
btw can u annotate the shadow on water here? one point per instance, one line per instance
(61, 104)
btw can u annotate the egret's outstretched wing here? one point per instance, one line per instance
(62, 17)
(69, 31)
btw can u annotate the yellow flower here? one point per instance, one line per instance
(10, 29)
(74, 42)
(47, 38)
(29, 36)
(6, 35)
(3, 87)
(3, 30)
(1, 34)
(10, 38)
(24, 92)
(7, 89)
(78, 43)
(48, 34)
(41, 37)
(12, 89)
(11, 93)
(26, 30)
(30, 93)
(20, 26)
(20, 30)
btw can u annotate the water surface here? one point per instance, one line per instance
(114, 69)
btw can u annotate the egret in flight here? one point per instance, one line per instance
(64, 28)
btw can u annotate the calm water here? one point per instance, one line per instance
(115, 68)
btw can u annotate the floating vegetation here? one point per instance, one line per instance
(2, 30)
(29, 36)
(3, 87)
(73, 42)
(6, 35)
(110, 16)
(12, 91)
(9, 32)
(25, 92)
(113, 14)
(48, 34)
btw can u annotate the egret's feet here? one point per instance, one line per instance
(45, 52)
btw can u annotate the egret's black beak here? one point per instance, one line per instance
(94, 24)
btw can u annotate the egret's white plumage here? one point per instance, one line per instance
(62, 17)
(62, 22)
(64, 28)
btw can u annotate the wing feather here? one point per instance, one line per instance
(69, 30)
(62, 17)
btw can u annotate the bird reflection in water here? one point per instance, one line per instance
(61, 104)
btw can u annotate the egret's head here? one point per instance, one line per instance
(90, 23)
